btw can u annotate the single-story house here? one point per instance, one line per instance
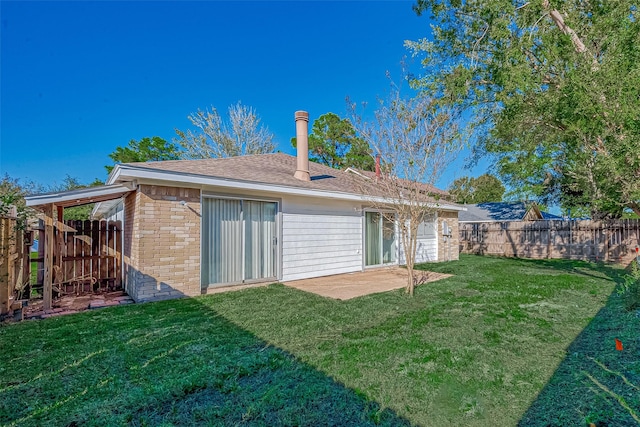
(193, 225)
(504, 211)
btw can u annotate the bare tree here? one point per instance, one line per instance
(416, 140)
(242, 134)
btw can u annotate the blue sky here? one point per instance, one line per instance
(80, 78)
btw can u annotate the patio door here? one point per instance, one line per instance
(379, 239)
(238, 241)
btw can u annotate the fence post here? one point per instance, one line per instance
(503, 232)
(549, 224)
(606, 241)
(47, 289)
(5, 230)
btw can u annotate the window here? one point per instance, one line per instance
(427, 228)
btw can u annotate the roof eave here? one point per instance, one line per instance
(127, 173)
(79, 197)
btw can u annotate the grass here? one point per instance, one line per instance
(503, 342)
(34, 266)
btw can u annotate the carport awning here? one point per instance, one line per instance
(78, 197)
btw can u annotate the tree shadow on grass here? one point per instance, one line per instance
(583, 268)
(595, 383)
(168, 363)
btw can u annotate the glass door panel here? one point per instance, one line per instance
(238, 241)
(372, 238)
(222, 235)
(260, 239)
(388, 240)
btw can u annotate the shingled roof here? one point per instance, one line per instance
(274, 169)
(504, 211)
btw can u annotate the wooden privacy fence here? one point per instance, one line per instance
(614, 241)
(14, 262)
(87, 255)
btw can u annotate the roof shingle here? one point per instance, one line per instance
(274, 169)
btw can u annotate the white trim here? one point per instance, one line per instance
(123, 173)
(102, 208)
(78, 195)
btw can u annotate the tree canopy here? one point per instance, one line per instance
(82, 212)
(333, 142)
(553, 87)
(145, 150)
(469, 190)
(12, 193)
(241, 134)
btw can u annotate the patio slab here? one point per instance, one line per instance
(353, 285)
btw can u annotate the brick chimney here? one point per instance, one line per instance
(378, 175)
(302, 141)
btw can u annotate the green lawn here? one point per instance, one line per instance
(503, 342)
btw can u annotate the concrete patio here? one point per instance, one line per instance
(353, 285)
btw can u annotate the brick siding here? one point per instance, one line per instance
(162, 243)
(449, 250)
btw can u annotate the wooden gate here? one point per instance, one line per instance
(87, 256)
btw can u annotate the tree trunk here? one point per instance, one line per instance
(410, 281)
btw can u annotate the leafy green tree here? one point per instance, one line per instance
(553, 89)
(215, 137)
(469, 190)
(12, 193)
(145, 150)
(333, 142)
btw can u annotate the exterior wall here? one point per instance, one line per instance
(449, 249)
(130, 248)
(427, 251)
(320, 238)
(162, 243)
(317, 238)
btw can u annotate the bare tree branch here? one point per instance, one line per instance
(213, 137)
(416, 140)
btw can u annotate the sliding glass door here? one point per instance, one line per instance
(260, 239)
(380, 239)
(238, 241)
(372, 238)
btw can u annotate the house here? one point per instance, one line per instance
(191, 226)
(504, 211)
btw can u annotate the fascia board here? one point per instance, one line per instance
(84, 194)
(127, 173)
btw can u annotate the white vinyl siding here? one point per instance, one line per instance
(427, 245)
(320, 238)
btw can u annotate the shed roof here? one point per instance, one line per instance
(81, 196)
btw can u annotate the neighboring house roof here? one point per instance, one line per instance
(266, 172)
(547, 215)
(502, 211)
